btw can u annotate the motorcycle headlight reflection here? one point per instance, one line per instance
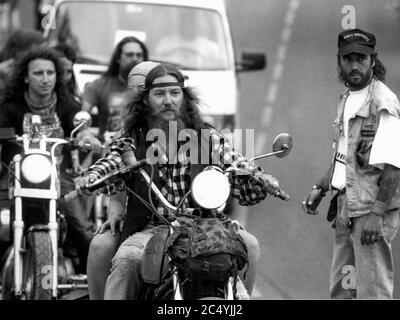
(210, 189)
(36, 168)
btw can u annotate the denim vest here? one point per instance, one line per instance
(362, 179)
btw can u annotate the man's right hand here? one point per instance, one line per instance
(84, 182)
(115, 222)
(312, 201)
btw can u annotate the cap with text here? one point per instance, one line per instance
(356, 41)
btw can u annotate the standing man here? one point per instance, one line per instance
(365, 174)
(107, 92)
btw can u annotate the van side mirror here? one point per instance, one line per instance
(251, 61)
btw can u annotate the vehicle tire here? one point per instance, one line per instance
(7, 276)
(38, 266)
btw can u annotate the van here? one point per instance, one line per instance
(191, 34)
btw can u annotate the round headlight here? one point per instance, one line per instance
(36, 168)
(210, 189)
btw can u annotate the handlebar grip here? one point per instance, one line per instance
(283, 195)
(71, 195)
(90, 147)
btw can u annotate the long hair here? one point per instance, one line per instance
(17, 86)
(19, 42)
(378, 70)
(113, 66)
(66, 51)
(138, 113)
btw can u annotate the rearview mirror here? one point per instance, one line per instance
(282, 145)
(251, 61)
(82, 119)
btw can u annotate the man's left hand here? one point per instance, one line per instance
(372, 229)
(86, 137)
(271, 184)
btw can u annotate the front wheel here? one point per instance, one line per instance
(38, 266)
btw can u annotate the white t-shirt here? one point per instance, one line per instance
(384, 148)
(353, 103)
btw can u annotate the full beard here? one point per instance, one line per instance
(171, 130)
(356, 85)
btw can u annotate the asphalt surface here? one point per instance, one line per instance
(297, 94)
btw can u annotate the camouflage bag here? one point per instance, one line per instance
(207, 248)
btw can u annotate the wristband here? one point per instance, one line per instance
(379, 208)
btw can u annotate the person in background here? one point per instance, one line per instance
(16, 46)
(107, 92)
(68, 59)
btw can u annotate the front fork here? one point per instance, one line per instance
(18, 227)
(19, 251)
(53, 231)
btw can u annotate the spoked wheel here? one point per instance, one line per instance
(38, 266)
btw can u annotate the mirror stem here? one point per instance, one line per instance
(268, 154)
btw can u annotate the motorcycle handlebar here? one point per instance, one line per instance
(97, 184)
(283, 195)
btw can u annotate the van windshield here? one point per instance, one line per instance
(192, 38)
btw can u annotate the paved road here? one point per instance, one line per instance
(297, 94)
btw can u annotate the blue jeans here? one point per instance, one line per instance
(362, 271)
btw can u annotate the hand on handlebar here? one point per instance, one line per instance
(86, 138)
(84, 182)
(271, 186)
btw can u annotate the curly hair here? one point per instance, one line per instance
(138, 113)
(113, 66)
(17, 86)
(378, 70)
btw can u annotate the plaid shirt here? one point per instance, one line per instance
(175, 177)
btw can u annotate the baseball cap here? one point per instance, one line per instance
(356, 40)
(137, 76)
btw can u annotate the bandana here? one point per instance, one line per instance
(164, 70)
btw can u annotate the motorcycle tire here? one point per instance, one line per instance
(38, 266)
(8, 275)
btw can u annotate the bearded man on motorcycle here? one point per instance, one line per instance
(37, 88)
(165, 101)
